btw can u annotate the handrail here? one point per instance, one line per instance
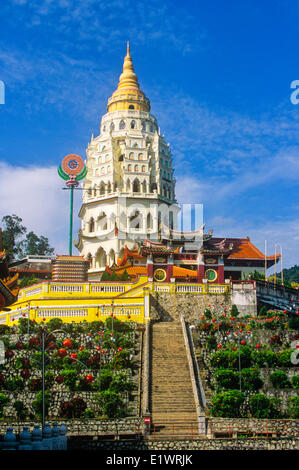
(198, 393)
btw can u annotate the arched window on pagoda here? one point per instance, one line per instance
(136, 168)
(109, 187)
(136, 220)
(128, 185)
(112, 126)
(133, 124)
(149, 221)
(91, 225)
(122, 124)
(102, 221)
(100, 258)
(102, 188)
(136, 186)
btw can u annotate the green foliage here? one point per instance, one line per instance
(228, 404)
(34, 245)
(14, 383)
(293, 407)
(70, 378)
(124, 276)
(251, 379)
(234, 311)
(111, 403)
(293, 322)
(37, 404)
(4, 400)
(279, 379)
(31, 245)
(23, 326)
(284, 358)
(263, 407)
(227, 379)
(211, 342)
(295, 381)
(21, 410)
(55, 324)
(208, 314)
(27, 281)
(88, 413)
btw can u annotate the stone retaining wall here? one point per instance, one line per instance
(169, 307)
(291, 443)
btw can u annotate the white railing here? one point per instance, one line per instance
(161, 288)
(30, 292)
(66, 288)
(107, 288)
(63, 313)
(189, 288)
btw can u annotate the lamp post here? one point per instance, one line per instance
(240, 338)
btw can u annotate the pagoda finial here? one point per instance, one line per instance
(128, 48)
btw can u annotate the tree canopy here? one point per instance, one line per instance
(18, 247)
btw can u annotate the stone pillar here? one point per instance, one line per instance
(220, 279)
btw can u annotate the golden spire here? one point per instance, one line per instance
(128, 78)
(128, 94)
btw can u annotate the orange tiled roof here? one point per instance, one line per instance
(244, 249)
(178, 271)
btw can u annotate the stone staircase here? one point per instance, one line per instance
(172, 400)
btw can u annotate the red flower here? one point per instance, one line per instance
(20, 345)
(25, 374)
(219, 346)
(120, 349)
(73, 356)
(9, 354)
(243, 342)
(88, 378)
(62, 352)
(258, 345)
(67, 343)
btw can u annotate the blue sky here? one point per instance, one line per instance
(218, 75)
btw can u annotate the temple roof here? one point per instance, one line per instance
(242, 248)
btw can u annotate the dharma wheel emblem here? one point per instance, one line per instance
(160, 275)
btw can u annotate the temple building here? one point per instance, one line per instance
(130, 184)
(129, 215)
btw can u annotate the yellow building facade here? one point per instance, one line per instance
(97, 301)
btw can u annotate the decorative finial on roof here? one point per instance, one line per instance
(128, 48)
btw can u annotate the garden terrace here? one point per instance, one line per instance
(92, 370)
(248, 366)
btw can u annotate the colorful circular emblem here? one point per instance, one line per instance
(72, 164)
(160, 275)
(211, 275)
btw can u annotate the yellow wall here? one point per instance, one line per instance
(91, 301)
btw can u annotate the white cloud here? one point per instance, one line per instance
(35, 194)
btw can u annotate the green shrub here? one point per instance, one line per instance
(23, 326)
(121, 383)
(293, 407)
(208, 313)
(88, 413)
(55, 324)
(14, 383)
(263, 407)
(284, 358)
(234, 312)
(70, 378)
(293, 322)
(37, 404)
(211, 342)
(251, 379)
(111, 403)
(21, 410)
(228, 404)
(226, 378)
(295, 381)
(279, 379)
(221, 359)
(4, 400)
